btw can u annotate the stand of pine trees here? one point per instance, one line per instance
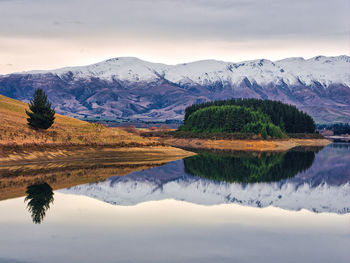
(231, 119)
(287, 117)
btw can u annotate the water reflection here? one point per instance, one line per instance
(300, 179)
(40, 196)
(13, 183)
(82, 229)
(245, 167)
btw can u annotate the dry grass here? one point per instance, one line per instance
(242, 145)
(94, 154)
(15, 131)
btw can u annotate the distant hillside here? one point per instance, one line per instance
(130, 88)
(65, 130)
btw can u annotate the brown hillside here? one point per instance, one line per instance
(66, 130)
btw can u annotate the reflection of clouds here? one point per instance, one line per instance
(171, 231)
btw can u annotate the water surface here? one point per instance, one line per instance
(232, 207)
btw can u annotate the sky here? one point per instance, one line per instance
(46, 34)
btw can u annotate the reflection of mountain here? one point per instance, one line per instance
(249, 167)
(40, 197)
(324, 187)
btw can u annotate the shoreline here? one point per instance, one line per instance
(242, 145)
(162, 148)
(61, 153)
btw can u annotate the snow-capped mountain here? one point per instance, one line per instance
(325, 70)
(325, 187)
(132, 88)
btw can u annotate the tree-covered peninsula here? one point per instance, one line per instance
(265, 118)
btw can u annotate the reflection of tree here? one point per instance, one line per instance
(249, 167)
(40, 196)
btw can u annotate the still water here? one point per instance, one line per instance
(212, 207)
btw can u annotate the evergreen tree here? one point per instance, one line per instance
(41, 114)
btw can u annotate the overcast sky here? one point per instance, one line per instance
(45, 34)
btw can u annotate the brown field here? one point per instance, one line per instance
(65, 131)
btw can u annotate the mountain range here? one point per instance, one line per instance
(130, 88)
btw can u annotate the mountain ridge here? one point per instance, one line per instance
(131, 88)
(160, 69)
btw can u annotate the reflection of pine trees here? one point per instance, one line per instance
(249, 168)
(40, 196)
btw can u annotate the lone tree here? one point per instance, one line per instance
(41, 114)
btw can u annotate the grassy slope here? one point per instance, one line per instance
(66, 130)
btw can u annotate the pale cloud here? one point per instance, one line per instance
(46, 34)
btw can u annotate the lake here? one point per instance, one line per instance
(211, 207)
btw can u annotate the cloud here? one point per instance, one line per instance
(173, 19)
(7, 260)
(266, 28)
